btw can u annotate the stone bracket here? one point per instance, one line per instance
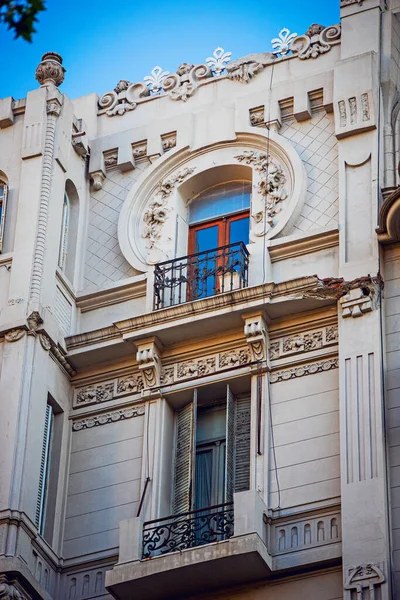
(149, 362)
(356, 302)
(255, 332)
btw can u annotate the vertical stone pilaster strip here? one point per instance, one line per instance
(53, 110)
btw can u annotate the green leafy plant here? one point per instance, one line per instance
(20, 16)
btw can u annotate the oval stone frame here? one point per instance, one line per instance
(172, 239)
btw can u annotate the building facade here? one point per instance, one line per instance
(199, 326)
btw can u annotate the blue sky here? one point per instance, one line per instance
(104, 41)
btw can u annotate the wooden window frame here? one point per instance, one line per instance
(223, 224)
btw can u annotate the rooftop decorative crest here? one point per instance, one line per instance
(281, 44)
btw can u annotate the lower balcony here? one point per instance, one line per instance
(224, 546)
(201, 275)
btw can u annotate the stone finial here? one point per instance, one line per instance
(50, 70)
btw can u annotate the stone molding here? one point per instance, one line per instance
(304, 369)
(363, 581)
(303, 342)
(300, 246)
(106, 418)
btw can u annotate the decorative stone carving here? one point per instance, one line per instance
(139, 150)
(8, 591)
(168, 141)
(218, 60)
(45, 341)
(363, 580)
(302, 370)
(98, 393)
(348, 2)
(281, 44)
(255, 333)
(156, 214)
(182, 84)
(156, 79)
(53, 108)
(50, 69)
(104, 419)
(303, 342)
(132, 384)
(149, 362)
(244, 69)
(34, 321)
(317, 40)
(271, 187)
(356, 302)
(234, 358)
(98, 178)
(123, 98)
(196, 368)
(355, 114)
(257, 116)
(167, 376)
(14, 335)
(110, 159)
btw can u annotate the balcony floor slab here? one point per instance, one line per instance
(237, 561)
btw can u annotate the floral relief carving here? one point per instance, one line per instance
(302, 370)
(182, 84)
(281, 44)
(99, 393)
(104, 419)
(218, 60)
(167, 376)
(157, 211)
(317, 40)
(303, 342)
(271, 187)
(50, 70)
(198, 368)
(244, 69)
(234, 358)
(132, 384)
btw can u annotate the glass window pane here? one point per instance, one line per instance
(206, 239)
(239, 230)
(221, 199)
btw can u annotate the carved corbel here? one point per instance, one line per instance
(34, 321)
(98, 178)
(8, 591)
(363, 581)
(356, 302)
(148, 357)
(256, 336)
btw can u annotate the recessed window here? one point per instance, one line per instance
(62, 254)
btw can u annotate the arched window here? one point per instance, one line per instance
(3, 206)
(62, 254)
(219, 216)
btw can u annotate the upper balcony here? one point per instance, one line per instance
(220, 547)
(200, 275)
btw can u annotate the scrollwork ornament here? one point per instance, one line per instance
(14, 335)
(317, 40)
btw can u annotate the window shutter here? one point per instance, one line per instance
(185, 457)
(3, 207)
(44, 468)
(242, 438)
(230, 446)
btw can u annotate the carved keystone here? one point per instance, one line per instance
(355, 303)
(148, 357)
(255, 333)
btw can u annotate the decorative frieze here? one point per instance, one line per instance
(317, 40)
(206, 365)
(302, 370)
(111, 417)
(355, 114)
(102, 392)
(133, 384)
(303, 342)
(364, 582)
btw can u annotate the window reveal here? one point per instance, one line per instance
(3, 206)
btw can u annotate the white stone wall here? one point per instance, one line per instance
(104, 486)
(305, 440)
(316, 143)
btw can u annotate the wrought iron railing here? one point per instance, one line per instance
(187, 530)
(201, 275)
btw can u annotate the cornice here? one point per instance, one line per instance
(135, 288)
(299, 245)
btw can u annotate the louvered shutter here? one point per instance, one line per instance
(185, 457)
(242, 441)
(3, 207)
(230, 446)
(44, 468)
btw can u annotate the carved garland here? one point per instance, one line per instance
(104, 419)
(302, 370)
(303, 342)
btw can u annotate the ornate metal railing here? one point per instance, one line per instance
(200, 275)
(187, 530)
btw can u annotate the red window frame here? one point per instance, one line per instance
(223, 224)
